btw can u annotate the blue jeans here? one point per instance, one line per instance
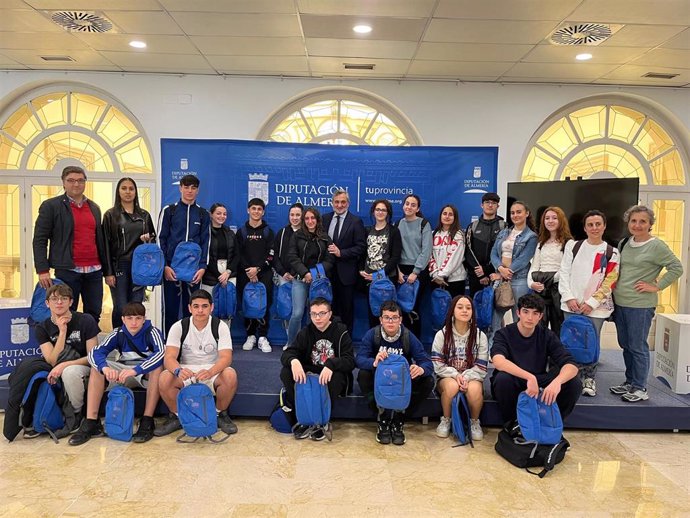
(124, 291)
(632, 328)
(520, 288)
(88, 286)
(589, 370)
(300, 293)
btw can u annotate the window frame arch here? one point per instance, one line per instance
(342, 93)
(650, 109)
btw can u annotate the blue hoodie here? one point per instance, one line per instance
(367, 351)
(148, 340)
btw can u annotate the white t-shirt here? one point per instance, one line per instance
(199, 347)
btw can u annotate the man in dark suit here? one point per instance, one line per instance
(349, 242)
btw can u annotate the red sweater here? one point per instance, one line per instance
(84, 251)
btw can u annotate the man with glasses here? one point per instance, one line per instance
(480, 237)
(349, 242)
(392, 338)
(70, 224)
(325, 348)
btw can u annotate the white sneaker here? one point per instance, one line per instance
(264, 345)
(249, 344)
(476, 430)
(589, 387)
(443, 428)
(285, 347)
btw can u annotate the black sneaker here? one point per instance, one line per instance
(383, 434)
(320, 433)
(171, 424)
(225, 423)
(89, 428)
(30, 433)
(397, 433)
(302, 431)
(145, 431)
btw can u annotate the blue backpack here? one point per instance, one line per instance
(284, 301)
(148, 263)
(224, 300)
(47, 417)
(39, 309)
(282, 417)
(440, 302)
(460, 420)
(119, 413)
(320, 286)
(484, 307)
(380, 290)
(196, 410)
(407, 295)
(254, 300)
(185, 261)
(312, 402)
(392, 383)
(579, 336)
(539, 423)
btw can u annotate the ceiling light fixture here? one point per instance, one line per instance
(583, 57)
(137, 44)
(362, 29)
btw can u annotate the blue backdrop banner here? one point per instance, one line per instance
(232, 172)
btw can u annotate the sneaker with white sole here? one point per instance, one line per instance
(621, 389)
(589, 387)
(476, 430)
(635, 395)
(443, 428)
(285, 347)
(264, 345)
(249, 343)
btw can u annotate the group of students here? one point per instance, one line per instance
(551, 276)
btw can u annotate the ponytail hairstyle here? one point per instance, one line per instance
(530, 219)
(448, 340)
(118, 199)
(419, 204)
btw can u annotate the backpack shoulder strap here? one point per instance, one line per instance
(623, 242)
(185, 322)
(577, 246)
(405, 341)
(215, 324)
(131, 344)
(501, 224)
(377, 336)
(609, 252)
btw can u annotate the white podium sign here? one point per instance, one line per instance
(672, 351)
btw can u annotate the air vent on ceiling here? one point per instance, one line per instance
(582, 34)
(82, 21)
(660, 75)
(358, 66)
(57, 58)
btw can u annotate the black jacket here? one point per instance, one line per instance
(307, 250)
(478, 244)
(281, 247)
(331, 348)
(122, 232)
(352, 242)
(55, 224)
(232, 257)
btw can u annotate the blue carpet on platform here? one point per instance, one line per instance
(259, 385)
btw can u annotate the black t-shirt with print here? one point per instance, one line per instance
(81, 328)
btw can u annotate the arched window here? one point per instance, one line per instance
(340, 116)
(622, 136)
(41, 132)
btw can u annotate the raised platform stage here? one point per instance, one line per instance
(259, 385)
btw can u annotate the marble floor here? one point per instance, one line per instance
(259, 472)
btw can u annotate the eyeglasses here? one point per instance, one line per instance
(72, 181)
(320, 314)
(396, 318)
(380, 210)
(58, 299)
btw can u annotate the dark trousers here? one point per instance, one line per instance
(421, 388)
(88, 286)
(176, 302)
(505, 389)
(257, 326)
(336, 386)
(343, 301)
(124, 291)
(413, 322)
(455, 288)
(553, 317)
(474, 283)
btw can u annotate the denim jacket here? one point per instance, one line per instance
(523, 251)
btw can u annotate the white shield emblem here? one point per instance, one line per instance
(20, 333)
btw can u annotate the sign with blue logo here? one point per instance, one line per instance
(16, 339)
(234, 171)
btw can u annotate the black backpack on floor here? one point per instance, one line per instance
(513, 447)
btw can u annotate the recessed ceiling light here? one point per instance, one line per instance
(583, 57)
(137, 44)
(362, 29)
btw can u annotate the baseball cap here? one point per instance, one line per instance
(491, 196)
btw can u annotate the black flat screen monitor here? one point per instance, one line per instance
(611, 196)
